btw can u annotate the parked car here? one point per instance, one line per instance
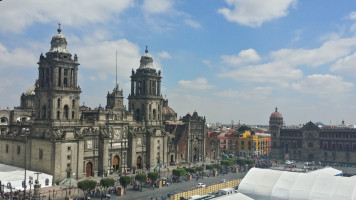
(200, 185)
(224, 181)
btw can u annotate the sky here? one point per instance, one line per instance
(229, 60)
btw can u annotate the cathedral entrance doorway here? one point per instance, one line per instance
(115, 163)
(172, 159)
(138, 162)
(89, 169)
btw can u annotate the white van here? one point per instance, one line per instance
(225, 191)
(194, 197)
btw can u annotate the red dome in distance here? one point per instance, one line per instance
(276, 115)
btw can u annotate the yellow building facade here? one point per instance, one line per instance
(252, 145)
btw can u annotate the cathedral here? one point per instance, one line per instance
(50, 132)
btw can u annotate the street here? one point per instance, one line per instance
(148, 193)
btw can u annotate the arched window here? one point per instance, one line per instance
(58, 115)
(73, 103)
(65, 112)
(73, 115)
(58, 103)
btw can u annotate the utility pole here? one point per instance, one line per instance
(26, 130)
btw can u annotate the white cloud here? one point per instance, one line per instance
(197, 84)
(245, 56)
(255, 12)
(100, 56)
(207, 63)
(17, 58)
(273, 72)
(326, 86)
(247, 94)
(326, 53)
(157, 6)
(192, 23)
(352, 15)
(345, 65)
(23, 13)
(164, 54)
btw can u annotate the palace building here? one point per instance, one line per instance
(311, 142)
(50, 132)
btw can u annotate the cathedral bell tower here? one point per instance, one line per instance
(145, 100)
(57, 92)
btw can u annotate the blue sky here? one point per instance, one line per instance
(226, 59)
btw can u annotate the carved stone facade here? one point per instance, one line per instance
(188, 140)
(311, 143)
(65, 139)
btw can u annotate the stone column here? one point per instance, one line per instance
(75, 76)
(158, 88)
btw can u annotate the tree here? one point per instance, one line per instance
(241, 161)
(191, 170)
(249, 162)
(199, 169)
(86, 186)
(226, 163)
(209, 167)
(243, 128)
(217, 166)
(140, 178)
(179, 172)
(153, 176)
(106, 184)
(124, 181)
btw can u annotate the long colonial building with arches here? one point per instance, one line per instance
(50, 132)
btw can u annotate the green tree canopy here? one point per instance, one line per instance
(217, 166)
(179, 172)
(241, 161)
(249, 162)
(124, 181)
(191, 170)
(107, 183)
(140, 177)
(243, 128)
(209, 167)
(226, 163)
(153, 176)
(86, 186)
(199, 169)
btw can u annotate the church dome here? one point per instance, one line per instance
(276, 115)
(146, 61)
(59, 42)
(30, 91)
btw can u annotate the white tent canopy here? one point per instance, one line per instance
(14, 176)
(235, 196)
(273, 184)
(329, 171)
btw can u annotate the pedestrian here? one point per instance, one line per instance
(153, 187)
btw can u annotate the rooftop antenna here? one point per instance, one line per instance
(116, 67)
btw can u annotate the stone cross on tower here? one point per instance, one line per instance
(59, 28)
(37, 173)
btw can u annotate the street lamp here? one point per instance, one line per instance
(30, 183)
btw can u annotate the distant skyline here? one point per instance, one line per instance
(226, 59)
